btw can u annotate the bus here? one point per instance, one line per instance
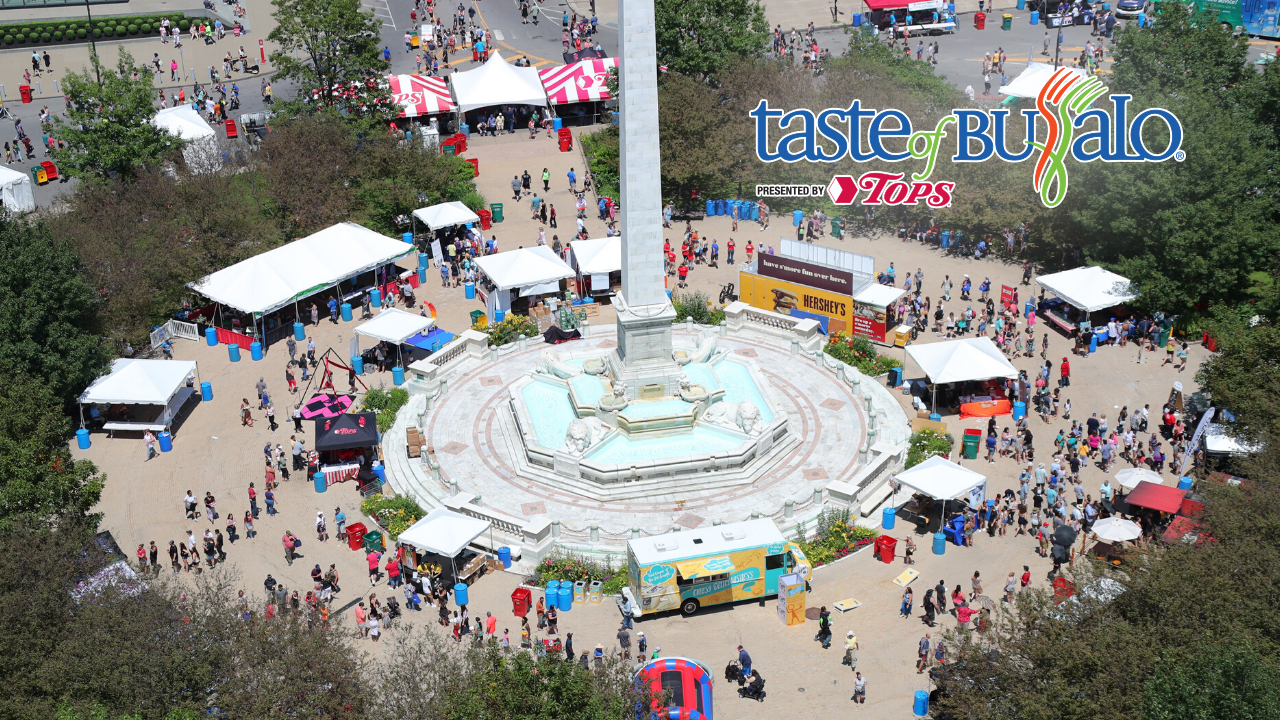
(709, 566)
(1255, 17)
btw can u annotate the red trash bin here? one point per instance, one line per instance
(979, 21)
(885, 547)
(355, 535)
(231, 128)
(521, 600)
(486, 219)
(459, 142)
(50, 170)
(475, 163)
(566, 140)
(25, 91)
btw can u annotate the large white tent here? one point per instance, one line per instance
(443, 532)
(498, 82)
(956, 361)
(1088, 288)
(143, 382)
(15, 190)
(200, 140)
(535, 267)
(445, 215)
(394, 325)
(1031, 81)
(600, 256)
(304, 267)
(941, 479)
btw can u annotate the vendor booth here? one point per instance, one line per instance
(939, 479)
(810, 281)
(1031, 81)
(577, 91)
(398, 328)
(200, 142)
(441, 539)
(510, 281)
(598, 264)
(925, 17)
(139, 395)
(873, 312)
(971, 369)
(15, 190)
(495, 84)
(259, 298)
(1156, 497)
(1080, 293)
(447, 222)
(346, 445)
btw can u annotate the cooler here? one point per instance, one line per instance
(901, 335)
(355, 535)
(885, 547)
(895, 377)
(521, 600)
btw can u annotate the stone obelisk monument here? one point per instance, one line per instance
(643, 358)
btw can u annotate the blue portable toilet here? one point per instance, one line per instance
(211, 336)
(206, 391)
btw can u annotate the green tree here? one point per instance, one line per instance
(1213, 684)
(1244, 375)
(39, 480)
(337, 42)
(702, 37)
(107, 126)
(48, 313)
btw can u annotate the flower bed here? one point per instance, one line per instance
(835, 538)
(567, 565)
(394, 514)
(858, 351)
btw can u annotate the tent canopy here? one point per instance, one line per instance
(184, 122)
(443, 532)
(446, 215)
(1030, 81)
(15, 190)
(525, 267)
(303, 267)
(595, 257)
(584, 81)
(498, 82)
(139, 382)
(352, 430)
(1088, 288)
(879, 295)
(420, 95)
(960, 360)
(940, 479)
(1157, 497)
(395, 326)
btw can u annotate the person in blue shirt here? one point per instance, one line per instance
(715, 253)
(480, 50)
(341, 519)
(386, 54)
(744, 660)
(573, 181)
(333, 310)
(604, 207)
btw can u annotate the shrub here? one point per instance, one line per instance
(20, 38)
(567, 565)
(8, 39)
(858, 351)
(57, 35)
(510, 329)
(81, 34)
(145, 28)
(133, 29)
(386, 404)
(107, 31)
(45, 37)
(26, 31)
(63, 27)
(97, 33)
(835, 537)
(697, 306)
(184, 24)
(927, 443)
(394, 514)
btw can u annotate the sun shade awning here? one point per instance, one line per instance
(1089, 288)
(940, 479)
(443, 532)
(960, 360)
(705, 567)
(139, 382)
(395, 326)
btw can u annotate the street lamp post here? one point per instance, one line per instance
(93, 47)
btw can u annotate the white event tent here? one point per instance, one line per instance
(534, 270)
(142, 382)
(15, 190)
(1030, 81)
(200, 140)
(444, 532)
(597, 258)
(445, 215)
(1088, 288)
(269, 281)
(498, 82)
(956, 361)
(940, 479)
(394, 325)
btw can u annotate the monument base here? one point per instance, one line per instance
(643, 357)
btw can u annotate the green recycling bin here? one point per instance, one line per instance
(496, 209)
(972, 440)
(1008, 22)
(476, 317)
(837, 228)
(450, 149)
(373, 541)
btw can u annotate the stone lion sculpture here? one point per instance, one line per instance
(549, 363)
(581, 435)
(743, 416)
(706, 349)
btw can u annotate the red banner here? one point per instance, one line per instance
(870, 321)
(1006, 295)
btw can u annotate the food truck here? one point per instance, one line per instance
(709, 566)
(928, 17)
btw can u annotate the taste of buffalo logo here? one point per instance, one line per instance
(1062, 106)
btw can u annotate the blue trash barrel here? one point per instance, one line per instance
(379, 470)
(82, 439)
(1093, 343)
(166, 441)
(255, 350)
(397, 375)
(1106, 6)
(921, 705)
(346, 312)
(407, 237)
(422, 274)
(939, 543)
(1022, 4)
(504, 552)
(797, 217)
(460, 593)
(470, 290)
(375, 297)
(206, 391)
(556, 123)
(553, 591)
(721, 207)
(565, 601)
(890, 518)
(1185, 483)
(935, 417)
(211, 336)
(465, 130)
(299, 331)
(320, 482)
(357, 364)
(711, 207)
(857, 20)
(233, 351)
(1035, 17)
(1019, 410)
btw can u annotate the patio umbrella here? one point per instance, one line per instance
(1114, 529)
(985, 602)
(1065, 535)
(1130, 477)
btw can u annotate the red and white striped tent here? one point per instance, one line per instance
(583, 81)
(420, 95)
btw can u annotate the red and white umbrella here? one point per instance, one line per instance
(420, 95)
(584, 81)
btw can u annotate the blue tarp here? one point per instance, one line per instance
(432, 340)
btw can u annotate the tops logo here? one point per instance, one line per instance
(981, 134)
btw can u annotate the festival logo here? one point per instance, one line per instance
(1063, 106)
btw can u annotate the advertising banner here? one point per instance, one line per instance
(1006, 295)
(783, 297)
(803, 273)
(791, 599)
(870, 321)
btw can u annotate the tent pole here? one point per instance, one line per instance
(81, 414)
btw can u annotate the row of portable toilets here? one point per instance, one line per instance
(746, 210)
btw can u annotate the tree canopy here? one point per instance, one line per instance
(701, 37)
(337, 44)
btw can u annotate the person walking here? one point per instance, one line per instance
(624, 642)
(290, 543)
(930, 609)
(907, 601)
(1010, 588)
(372, 559)
(824, 628)
(922, 654)
(859, 689)
(851, 650)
